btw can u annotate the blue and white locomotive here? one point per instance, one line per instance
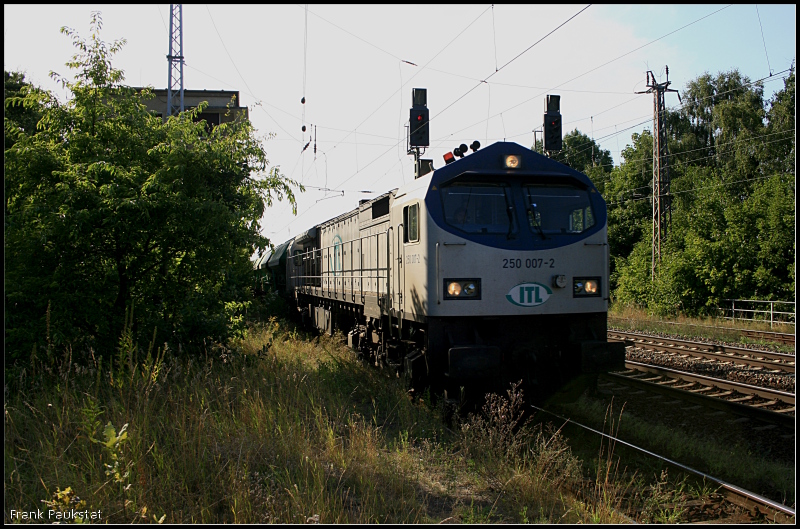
(495, 263)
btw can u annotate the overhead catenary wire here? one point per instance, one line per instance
(769, 68)
(412, 77)
(506, 64)
(382, 104)
(305, 69)
(509, 62)
(585, 73)
(361, 169)
(723, 184)
(602, 65)
(686, 163)
(674, 108)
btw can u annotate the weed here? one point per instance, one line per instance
(662, 503)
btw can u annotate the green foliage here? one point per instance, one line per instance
(107, 206)
(19, 118)
(732, 184)
(582, 153)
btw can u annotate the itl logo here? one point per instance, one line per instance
(529, 294)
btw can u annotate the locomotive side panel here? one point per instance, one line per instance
(410, 290)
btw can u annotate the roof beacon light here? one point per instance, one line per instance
(511, 161)
(449, 158)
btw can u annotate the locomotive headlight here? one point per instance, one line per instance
(462, 289)
(454, 289)
(586, 287)
(511, 161)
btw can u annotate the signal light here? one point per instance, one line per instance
(418, 128)
(475, 145)
(449, 158)
(552, 132)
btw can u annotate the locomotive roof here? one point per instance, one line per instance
(490, 159)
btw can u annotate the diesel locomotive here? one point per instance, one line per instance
(494, 265)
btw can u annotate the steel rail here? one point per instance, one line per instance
(766, 393)
(709, 401)
(779, 512)
(782, 337)
(749, 357)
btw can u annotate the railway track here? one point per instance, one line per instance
(758, 507)
(781, 362)
(754, 402)
(776, 337)
(779, 337)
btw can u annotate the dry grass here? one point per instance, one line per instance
(721, 329)
(280, 427)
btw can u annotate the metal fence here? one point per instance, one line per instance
(782, 312)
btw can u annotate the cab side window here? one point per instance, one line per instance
(411, 223)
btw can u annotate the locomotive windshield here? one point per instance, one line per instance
(478, 207)
(558, 209)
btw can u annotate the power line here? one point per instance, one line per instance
(764, 41)
(526, 86)
(489, 117)
(431, 119)
(702, 188)
(509, 62)
(496, 71)
(686, 163)
(598, 67)
(357, 37)
(682, 105)
(398, 90)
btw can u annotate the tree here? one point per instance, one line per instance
(110, 210)
(583, 154)
(18, 119)
(732, 182)
(627, 195)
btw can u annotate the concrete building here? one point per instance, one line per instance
(214, 114)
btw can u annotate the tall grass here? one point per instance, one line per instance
(278, 427)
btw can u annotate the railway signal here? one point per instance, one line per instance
(552, 123)
(418, 132)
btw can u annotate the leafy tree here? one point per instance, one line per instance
(779, 154)
(627, 195)
(582, 153)
(111, 210)
(18, 119)
(732, 231)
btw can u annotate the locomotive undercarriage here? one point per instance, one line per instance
(545, 351)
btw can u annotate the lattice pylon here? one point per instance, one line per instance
(175, 61)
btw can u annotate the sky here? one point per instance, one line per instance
(487, 69)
